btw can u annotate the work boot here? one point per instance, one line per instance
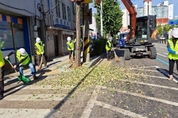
(33, 77)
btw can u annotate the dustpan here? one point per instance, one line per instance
(24, 79)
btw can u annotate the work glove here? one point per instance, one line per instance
(112, 49)
(6, 57)
(14, 66)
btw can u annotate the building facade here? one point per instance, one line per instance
(22, 21)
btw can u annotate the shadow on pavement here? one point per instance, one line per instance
(21, 85)
(165, 72)
(69, 94)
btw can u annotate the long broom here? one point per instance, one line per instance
(116, 57)
(41, 62)
(22, 78)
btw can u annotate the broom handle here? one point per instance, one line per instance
(11, 65)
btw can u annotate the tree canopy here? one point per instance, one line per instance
(112, 16)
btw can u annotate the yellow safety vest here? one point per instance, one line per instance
(2, 63)
(108, 47)
(175, 48)
(20, 57)
(70, 45)
(40, 48)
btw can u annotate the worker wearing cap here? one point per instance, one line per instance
(23, 60)
(172, 47)
(108, 48)
(39, 47)
(70, 47)
(2, 63)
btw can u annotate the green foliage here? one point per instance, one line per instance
(160, 29)
(166, 28)
(99, 46)
(112, 16)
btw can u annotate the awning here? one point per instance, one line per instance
(64, 31)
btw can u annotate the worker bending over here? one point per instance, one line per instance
(23, 60)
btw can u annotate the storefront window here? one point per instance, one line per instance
(6, 36)
(19, 38)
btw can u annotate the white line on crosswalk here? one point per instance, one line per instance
(145, 97)
(23, 113)
(162, 55)
(148, 84)
(35, 97)
(87, 111)
(122, 111)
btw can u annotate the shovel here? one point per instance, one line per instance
(22, 78)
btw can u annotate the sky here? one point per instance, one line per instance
(154, 3)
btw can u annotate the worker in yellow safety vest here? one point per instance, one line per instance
(108, 48)
(70, 47)
(2, 63)
(172, 47)
(39, 47)
(23, 60)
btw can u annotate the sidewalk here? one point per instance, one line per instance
(56, 63)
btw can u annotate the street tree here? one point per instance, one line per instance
(112, 16)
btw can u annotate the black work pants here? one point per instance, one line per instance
(171, 66)
(70, 54)
(39, 57)
(109, 54)
(1, 81)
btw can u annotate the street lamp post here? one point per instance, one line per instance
(101, 18)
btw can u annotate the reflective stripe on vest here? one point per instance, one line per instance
(2, 63)
(40, 48)
(20, 57)
(175, 48)
(108, 47)
(70, 45)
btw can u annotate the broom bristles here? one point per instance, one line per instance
(116, 57)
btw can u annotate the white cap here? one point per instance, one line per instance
(38, 40)
(110, 38)
(22, 51)
(174, 33)
(68, 38)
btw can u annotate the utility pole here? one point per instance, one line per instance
(86, 51)
(78, 35)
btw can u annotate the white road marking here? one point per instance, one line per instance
(35, 97)
(87, 111)
(146, 97)
(148, 84)
(42, 87)
(122, 111)
(162, 55)
(23, 113)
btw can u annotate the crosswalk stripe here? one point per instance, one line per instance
(23, 113)
(35, 97)
(122, 111)
(146, 97)
(43, 87)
